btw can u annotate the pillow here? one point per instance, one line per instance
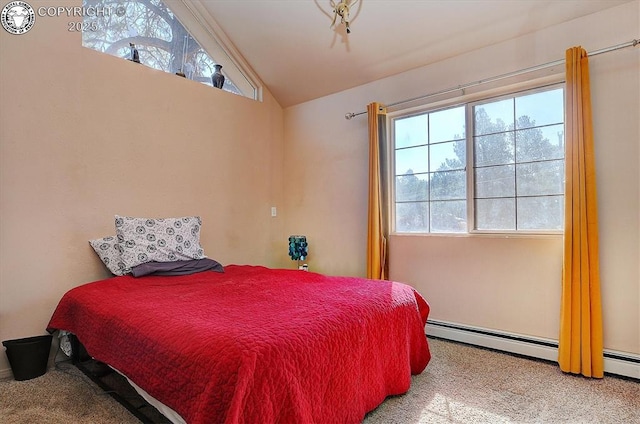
(176, 268)
(108, 251)
(144, 240)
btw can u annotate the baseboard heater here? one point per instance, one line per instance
(618, 363)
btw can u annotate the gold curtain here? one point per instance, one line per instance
(376, 237)
(580, 349)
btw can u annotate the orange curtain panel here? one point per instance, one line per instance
(580, 349)
(376, 237)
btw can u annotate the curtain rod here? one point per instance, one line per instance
(631, 43)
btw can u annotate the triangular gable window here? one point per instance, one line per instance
(161, 40)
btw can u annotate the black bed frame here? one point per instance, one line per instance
(114, 384)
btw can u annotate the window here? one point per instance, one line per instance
(161, 39)
(495, 165)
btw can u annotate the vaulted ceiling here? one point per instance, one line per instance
(291, 47)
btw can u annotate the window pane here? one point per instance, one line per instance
(162, 41)
(541, 213)
(448, 185)
(540, 143)
(540, 178)
(493, 117)
(449, 217)
(411, 131)
(539, 109)
(495, 181)
(430, 161)
(446, 125)
(412, 187)
(412, 217)
(412, 160)
(518, 166)
(495, 149)
(495, 214)
(449, 155)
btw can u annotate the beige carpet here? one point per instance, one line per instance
(462, 384)
(60, 396)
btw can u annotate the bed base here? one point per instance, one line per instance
(114, 384)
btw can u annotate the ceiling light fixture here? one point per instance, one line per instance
(342, 9)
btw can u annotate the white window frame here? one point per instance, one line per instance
(204, 28)
(468, 100)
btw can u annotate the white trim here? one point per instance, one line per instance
(534, 347)
(203, 27)
(554, 80)
(498, 341)
(624, 364)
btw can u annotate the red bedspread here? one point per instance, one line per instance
(252, 344)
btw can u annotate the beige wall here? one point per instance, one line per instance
(509, 284)
(85, 136)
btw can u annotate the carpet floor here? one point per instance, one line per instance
(462, 384)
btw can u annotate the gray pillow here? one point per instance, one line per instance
(177, 267)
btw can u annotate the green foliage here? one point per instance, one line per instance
(518, 172)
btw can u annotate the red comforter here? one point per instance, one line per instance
(252, 344)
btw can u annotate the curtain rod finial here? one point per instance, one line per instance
(349, 115)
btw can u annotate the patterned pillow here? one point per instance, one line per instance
(108, 250)
(143, 240)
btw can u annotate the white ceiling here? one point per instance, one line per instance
(291, 47)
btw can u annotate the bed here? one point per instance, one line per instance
(253, 344)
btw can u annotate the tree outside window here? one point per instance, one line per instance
(162, 41)
(517, 166)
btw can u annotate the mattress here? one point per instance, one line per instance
(254, 344)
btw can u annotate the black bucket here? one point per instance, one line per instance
(28, 357)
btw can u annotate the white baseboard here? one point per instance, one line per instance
(619, 363)
(622, 363)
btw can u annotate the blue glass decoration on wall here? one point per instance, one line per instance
(298, 248)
